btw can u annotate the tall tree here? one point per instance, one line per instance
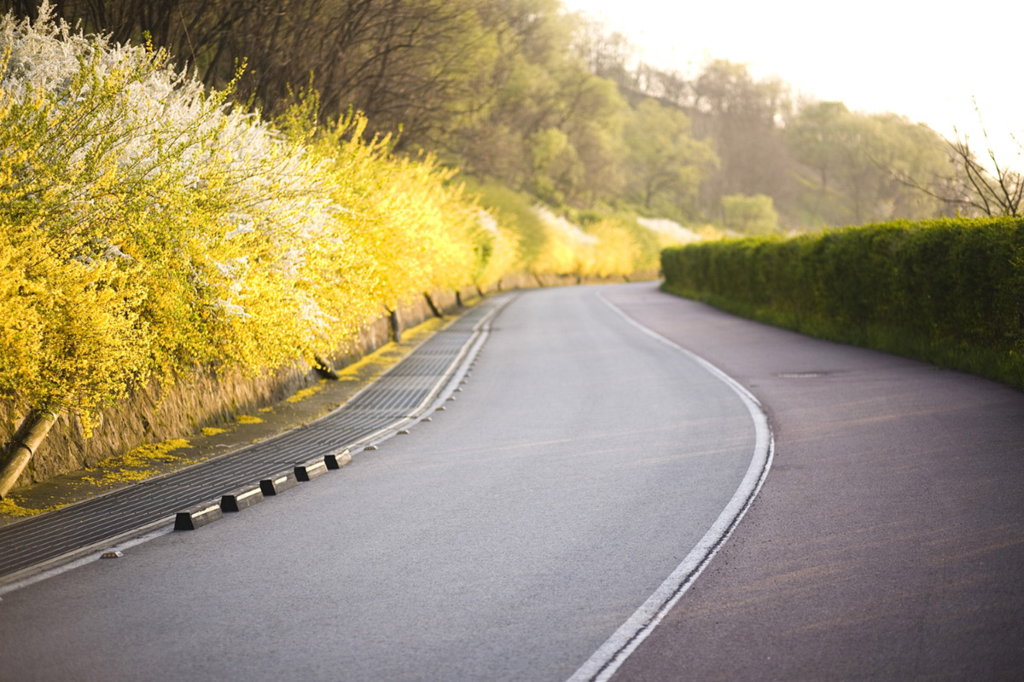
(665, 164)
(853, 163)
(744, 118)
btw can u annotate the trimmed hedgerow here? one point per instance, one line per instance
(950, 292)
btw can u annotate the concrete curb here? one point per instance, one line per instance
(242, 498)
(198, 516)
(237, 499)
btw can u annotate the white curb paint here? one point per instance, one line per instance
(86, 555)
(614, 652)
(163, 527)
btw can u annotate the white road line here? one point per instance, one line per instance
(613, 653)
(164, 526)
(81, 557)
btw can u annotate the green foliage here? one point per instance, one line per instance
(665, 164)
(526, 93)
(852, 161)
(550, 126)
(749, 215)
(514, 210)
(946, 291)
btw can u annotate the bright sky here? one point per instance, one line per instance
(924, 60)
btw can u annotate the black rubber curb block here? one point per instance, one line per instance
(35, 546)
(307, 471)
(198, 516)
(242, 498)
(277, 484)
(336, 461)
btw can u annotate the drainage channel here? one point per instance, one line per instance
(399, 395)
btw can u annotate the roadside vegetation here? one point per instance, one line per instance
(238, 184)
(151, 226)
(949, 291)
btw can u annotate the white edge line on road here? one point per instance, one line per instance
(165, 526)
(614, 652)
(444, 386)
(86, 555)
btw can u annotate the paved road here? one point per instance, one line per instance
(888, 540)
(504, 540)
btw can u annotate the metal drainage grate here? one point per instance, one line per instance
(392, 398)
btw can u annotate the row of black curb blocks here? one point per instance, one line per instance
(246, 496)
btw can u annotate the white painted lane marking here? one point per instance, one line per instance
(603, 663)
(165, 526)
(68, 561)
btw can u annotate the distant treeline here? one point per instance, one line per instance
(524, 93)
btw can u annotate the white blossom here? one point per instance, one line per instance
(487, 221)
(670, 229)
(160, 109)
(559, 223)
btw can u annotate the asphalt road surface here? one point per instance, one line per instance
(888, 540)
(506, 539)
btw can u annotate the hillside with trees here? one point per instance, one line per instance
(523, 94)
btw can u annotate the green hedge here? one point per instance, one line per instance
(950, 292)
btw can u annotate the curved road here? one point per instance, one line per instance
(511, 535)
(888, 540)
(504, 540)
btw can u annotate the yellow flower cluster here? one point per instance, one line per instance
(146, 227)
(604, 249)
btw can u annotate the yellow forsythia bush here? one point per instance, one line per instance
(147, 226)
(566, 247)
(615, 252)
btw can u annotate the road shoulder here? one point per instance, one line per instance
(158, 459)
(887, 541)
